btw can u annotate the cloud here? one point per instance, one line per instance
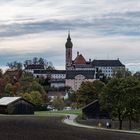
(100, 28)
(105, 17)
(133, 67)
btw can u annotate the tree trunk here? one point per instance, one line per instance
(120, 124)
(120, 121)
(130, 123)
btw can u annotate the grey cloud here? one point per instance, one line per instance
(77, 15)
(125, 24)
(104, 18)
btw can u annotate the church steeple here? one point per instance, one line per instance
(68, 36)
(68, 46)
(69, 43)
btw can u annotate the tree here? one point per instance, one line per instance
(9, 89)
(36, 98)
(58, 103)
(35, 60)
(112, 100)
(121, 98)
(27, 76)
(27, 62)
(16, 88)
(26, 96)
(137, 75)
(98, 86)
(120, 73)
(41, 61)
(50, 66)
(132, 99)
(37, 87)
(88, 92)
(14, 65)
(1, 73)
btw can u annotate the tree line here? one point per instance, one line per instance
(35, 61)
(24, 84)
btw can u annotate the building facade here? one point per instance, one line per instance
(107, 67)
(77, 70)
(74, 78)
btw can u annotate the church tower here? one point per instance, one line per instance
(68, 58)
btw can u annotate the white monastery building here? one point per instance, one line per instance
(77, 70)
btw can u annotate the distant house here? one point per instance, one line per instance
(15, 105)
(56, 94)
(74, 78)
(57, 83)
(14, 74)
(92, 111)
(53, 74)
(57, 77)
(108, 67)
(30, 68)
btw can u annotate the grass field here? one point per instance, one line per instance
(57, 113)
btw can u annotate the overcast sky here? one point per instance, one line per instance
(100, 29)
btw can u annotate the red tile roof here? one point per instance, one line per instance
(80, 59)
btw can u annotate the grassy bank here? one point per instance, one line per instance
(57, 113)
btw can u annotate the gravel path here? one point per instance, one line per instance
(71, 121)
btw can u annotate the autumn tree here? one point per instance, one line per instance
(88, 92)
(1, 73)
(9, 89)
(34, 97)
(37, 98)
(26, 96)
(37, 87)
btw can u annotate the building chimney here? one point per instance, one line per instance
(77, 53)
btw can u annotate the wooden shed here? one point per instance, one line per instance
(93, 111)
(15, 105)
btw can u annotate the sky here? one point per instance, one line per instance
(100, 29)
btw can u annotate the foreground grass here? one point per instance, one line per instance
(57, 113)
(137, 129)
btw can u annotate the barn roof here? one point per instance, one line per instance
(8, 100)
(93, 102)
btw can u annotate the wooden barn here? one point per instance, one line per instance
(15, 105)
(92, 111)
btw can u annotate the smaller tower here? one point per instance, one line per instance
(68, 58)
